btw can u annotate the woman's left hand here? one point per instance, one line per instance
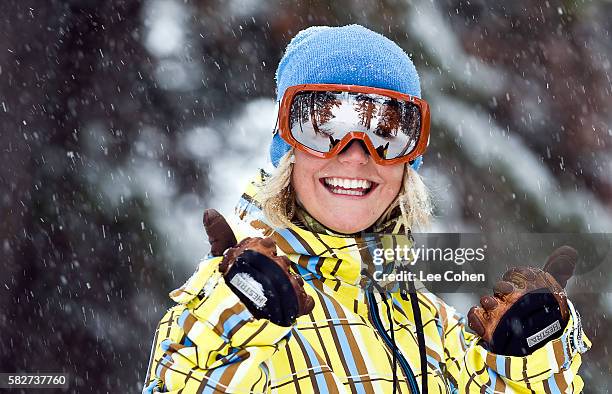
(528, 307)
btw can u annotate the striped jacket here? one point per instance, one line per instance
(210, 343)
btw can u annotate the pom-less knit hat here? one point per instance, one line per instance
(351, 55)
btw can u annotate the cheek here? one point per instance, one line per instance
(302, 180)
(393, 181)
(298, 181)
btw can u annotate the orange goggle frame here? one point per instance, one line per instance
(285, 129)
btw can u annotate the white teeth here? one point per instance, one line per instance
(351, 187)
(348, 192)
(348, 183)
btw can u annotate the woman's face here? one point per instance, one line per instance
(348, 192)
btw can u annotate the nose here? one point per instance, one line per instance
(354, 153)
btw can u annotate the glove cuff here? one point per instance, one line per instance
(532, 321)
(262, 285)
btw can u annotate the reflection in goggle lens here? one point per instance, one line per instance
(319, 120)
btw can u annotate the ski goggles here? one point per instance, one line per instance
(322, 119)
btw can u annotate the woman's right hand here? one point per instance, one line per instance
(257, 275)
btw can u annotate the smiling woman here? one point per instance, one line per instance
(295, 311)
(343, 201)
(329, 189)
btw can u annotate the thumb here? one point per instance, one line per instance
(561, 264)
(220, 234)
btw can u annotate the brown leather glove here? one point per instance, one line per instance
(528, 307)
(256, 274)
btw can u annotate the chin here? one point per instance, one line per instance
(348, 230)
(347, 224)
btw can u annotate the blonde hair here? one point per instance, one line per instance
(278, 198)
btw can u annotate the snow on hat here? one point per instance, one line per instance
(351, 55)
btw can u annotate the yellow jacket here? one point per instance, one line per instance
(210, 343)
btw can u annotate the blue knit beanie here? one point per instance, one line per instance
(351, 55)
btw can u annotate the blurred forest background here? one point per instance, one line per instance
(121, 120)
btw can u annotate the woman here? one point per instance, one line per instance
(351, 132)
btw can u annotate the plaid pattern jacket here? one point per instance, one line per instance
(210, 343)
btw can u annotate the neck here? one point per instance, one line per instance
(392, 225)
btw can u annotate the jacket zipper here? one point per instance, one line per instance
(414, 388)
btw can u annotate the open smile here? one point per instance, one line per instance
(348, 186)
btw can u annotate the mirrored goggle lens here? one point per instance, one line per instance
(319, 120)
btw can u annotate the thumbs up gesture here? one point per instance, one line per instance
(528, 307)
(256, 274)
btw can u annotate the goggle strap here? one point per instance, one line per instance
(276, 129)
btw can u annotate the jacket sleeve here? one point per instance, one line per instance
(550, 369)
(210, 342)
